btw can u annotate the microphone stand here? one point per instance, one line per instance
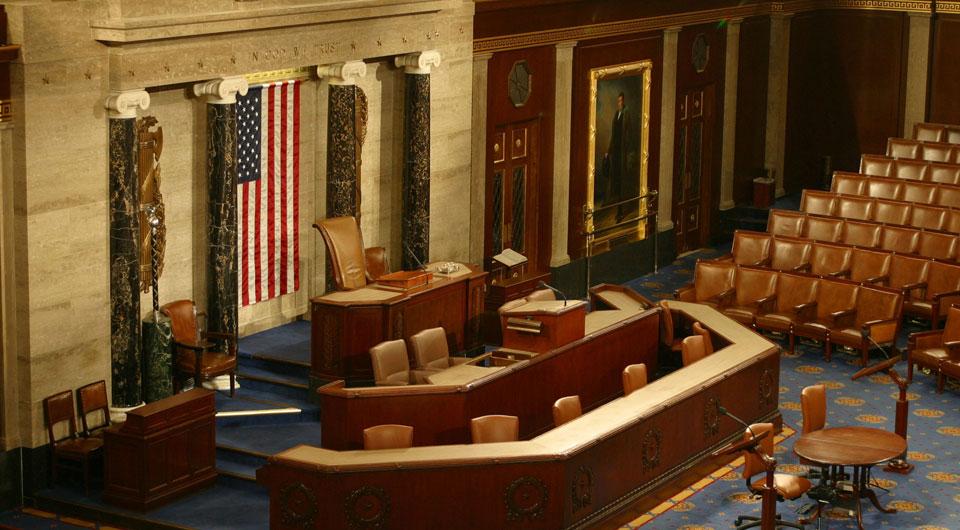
(768, 510)
(542, 285)
(897, 465)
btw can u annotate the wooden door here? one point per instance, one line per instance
(692, 168)
(513, 190)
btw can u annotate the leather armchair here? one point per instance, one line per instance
(712, 284)
(634, 378)
(353, 266)
(928, 217)
(668, 336)
(891, 212)
(796, 299)
(938, 245)
(789, 487)
(816, 203)
(830, 260)
(823, 229)
(92, 399)
(751, 248)
(860, 233)
(389, 436)
(941, 291)
(876, 321)
(859, 208)
(195, 354)
(494, 428)
(391, 366)
(704, 333)
(785, 223)
(790, 255)
(931, 349)
(898, 239)
(882, 188)
(835, 308)
(693, 349)
(919, 192)
(756, 293)
(870, 266)
(566, 409)
(431, 352)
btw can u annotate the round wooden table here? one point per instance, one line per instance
(860, 447)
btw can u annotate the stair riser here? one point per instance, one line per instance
(284, 393)
(265, 419)
(282, 369)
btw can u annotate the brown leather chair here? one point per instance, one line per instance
(377, 264)
(830, 260)
(813, 408)
(431, 352)
(693, 349)
(704, 333)
(938, 245)
(790, 255)
(836, 307)
(391, 366)
(919, 192)
(388, 436)
(823, 229)
(668, 336)
(929, 132)
(944, 173)
(194, 357)
(901, 148)
(634, 378)
(756, 292)
(875, 323)
(928, 217)
(948, 368)
(884, 188)
(751, 248)
(712, 284)
(817, 203)
(566, 409)
(789, 487)
(947, 196)
(915, 170)
(92, 399)
(494, 428)
(876, 165)
(870, 266)
(859, 208)
(796, 296)
(848, 183)
(908, 274)
(861, 233)
(57, 409)
(930, 349)
(785, 223)
(899, 239)
(952, 222)
(353, 265)
(933, 152)
(891, 212)
(941, 291)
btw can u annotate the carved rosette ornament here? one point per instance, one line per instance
(581, 489)
(526, 498)
(367, 507)
(711, 417)
(766, 388)
(650, 450)
(298, 505)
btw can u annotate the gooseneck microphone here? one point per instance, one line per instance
(416, 260)
(722, 410)
(542, 285)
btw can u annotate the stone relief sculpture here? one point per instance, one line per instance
(150, 146)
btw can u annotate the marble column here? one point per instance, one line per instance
(731, 73)
(668, 124)
(343, 165)
(478, 160)
(778, 72)
(222, 303)
(915, 104)
(415, 232)
(563, 109)
(125, 345)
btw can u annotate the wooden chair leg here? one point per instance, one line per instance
(909, 369)
(827, 348)
(939, 381)
(864, 355)
(233, 382)
(792, 340)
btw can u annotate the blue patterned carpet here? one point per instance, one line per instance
(928, 498)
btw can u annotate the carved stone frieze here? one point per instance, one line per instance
(526, 498)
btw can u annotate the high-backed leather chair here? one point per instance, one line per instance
(938, 245)
(908, 274)
(848, 184)
(898, 239)
(944, 173)
(830, 260)
(58, 409)
(919, 192)
(431, 352)
(195, 356)
(785, 223)
(916, 170)
(862, 234)
(704, 333)
(712, 284)
(494, 428)
(693, 349)
(870, 266)
(796, 296)
(813, 408)
(941, 291)
(391, 366)
(823, 229)
(900, 148)
(789, 487)
(880, 166)
(668, 336)
(566, 409)
(933, 152)
(952, 222)
(756, 291)
(92, 399)
(388, 436)
(634, 378)
(891, 212)
(835, 308)
(931, 348)
(928, 217)
(816, 203)
(750, 248)
(353, 265)
(928, 132)
(889, 189)
(860, 208)
(790, 255)
(875, 322)
(948, 196)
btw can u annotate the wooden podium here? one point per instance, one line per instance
(544, 325)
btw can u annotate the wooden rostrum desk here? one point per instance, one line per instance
(572, 476)
(346, 324)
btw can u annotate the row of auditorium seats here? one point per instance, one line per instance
(832, 310)
(937, 350)
(894, 189)
(71, 446)
(494, 428)
(920, 150)
(927, 243)
(859, 208)
(914, 170)
(391, 364)
(937, 132)
(928, 286)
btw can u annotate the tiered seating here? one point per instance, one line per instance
(946, 195)
(884, 166)
(918, 150)
(917, 214)
(937, 132)
(897, 238)
(832, 310)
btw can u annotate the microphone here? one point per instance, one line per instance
(416, 260)
(542, 285)
(722, 410)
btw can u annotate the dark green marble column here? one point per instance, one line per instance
(124, 258)
(157, 358)
(415, 231)
(343, 181)
(222, 218)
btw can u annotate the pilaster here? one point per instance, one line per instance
(778, 71)
(478, 161)
(730, 76)
(563, 110)
(668, 124)
(915, 99)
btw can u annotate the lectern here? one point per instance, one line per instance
(543, 325)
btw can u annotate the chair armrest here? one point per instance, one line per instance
(842, 318)
(684, 293)
(723, 299)
(924, 339)
(193, 345)
(877, 279)
(938, 296)
(479, 358)
(840, 274)
(766, 304)
(803, 267)
(906, 289)
(803, 310)
(867, 328)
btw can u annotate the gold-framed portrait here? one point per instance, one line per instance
(619, 151)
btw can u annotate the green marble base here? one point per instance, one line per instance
(157, 359)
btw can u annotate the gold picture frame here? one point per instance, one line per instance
(617, 172)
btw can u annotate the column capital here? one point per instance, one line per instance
(567, 44)
(343, 73)
(734, 21)
(672, 30)
(919, 14)
(123, 105)
(222, 91)
(482, 57)
(418, 63)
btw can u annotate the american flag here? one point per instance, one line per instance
(268, 176)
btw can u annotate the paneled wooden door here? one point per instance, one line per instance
(513, 189)
(693, 163)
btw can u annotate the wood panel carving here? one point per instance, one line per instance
(150, 146)
(766, 388)
(298, 505)
(651, 449)
(711, 417)
(581, 489)
(526, 498)
(367, 507)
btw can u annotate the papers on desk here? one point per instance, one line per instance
(510, 258)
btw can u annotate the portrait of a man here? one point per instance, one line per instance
(617, 172)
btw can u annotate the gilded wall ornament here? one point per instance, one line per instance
(526, 498)
(367, 507)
